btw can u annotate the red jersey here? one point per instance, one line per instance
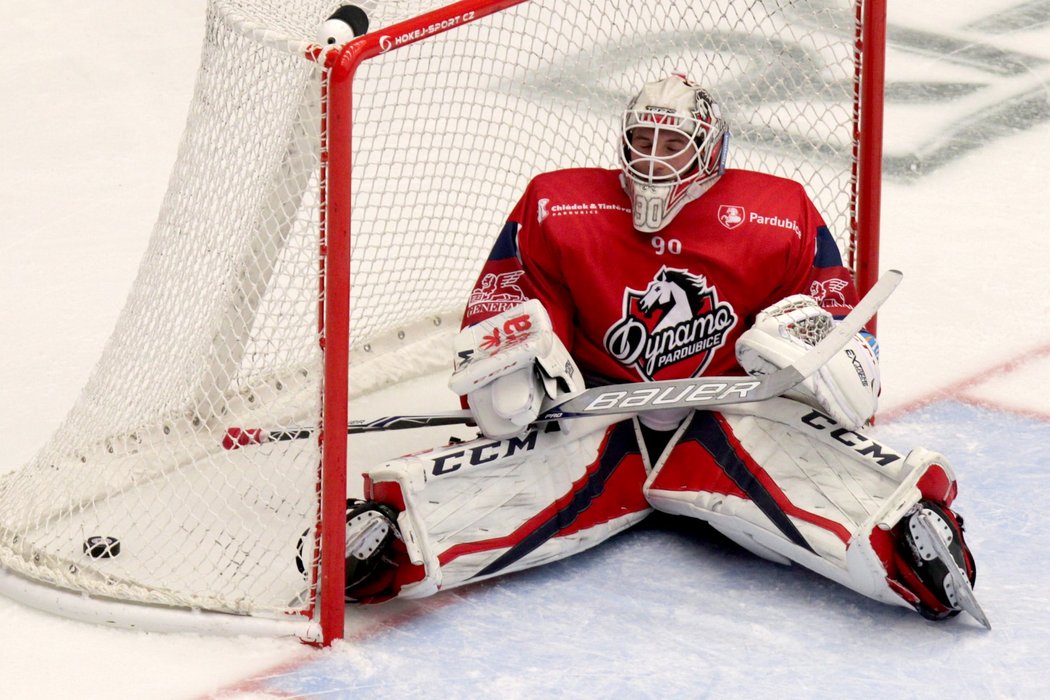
(671, 304)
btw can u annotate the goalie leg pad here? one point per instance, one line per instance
(483, 508)
(789, 484)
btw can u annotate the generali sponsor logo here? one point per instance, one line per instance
(671, 328)
(830, 292)
(496, 293)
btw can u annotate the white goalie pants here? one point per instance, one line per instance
(777, 477)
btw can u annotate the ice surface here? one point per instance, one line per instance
(95, 96)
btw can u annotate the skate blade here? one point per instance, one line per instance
(367, 534)
(963, 589)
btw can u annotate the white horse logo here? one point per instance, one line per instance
(676, 293)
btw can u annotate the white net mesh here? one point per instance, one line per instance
(220, 328)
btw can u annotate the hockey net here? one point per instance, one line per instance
(222, 325)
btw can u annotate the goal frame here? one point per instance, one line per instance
(337, 157)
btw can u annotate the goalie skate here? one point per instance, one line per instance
(931, 537)
(370, 527)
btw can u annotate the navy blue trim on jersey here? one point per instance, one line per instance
(827, 254)
(506, 245)
(621, 444)
(707, 432)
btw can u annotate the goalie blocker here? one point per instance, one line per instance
(507, 366)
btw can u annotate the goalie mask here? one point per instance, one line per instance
(673, 144)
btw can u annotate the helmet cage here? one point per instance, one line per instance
(646, 166)
(658, 182)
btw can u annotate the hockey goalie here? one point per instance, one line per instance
(671, 266)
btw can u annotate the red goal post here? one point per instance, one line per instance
(325, 220)
(337, 163)
(867, 124)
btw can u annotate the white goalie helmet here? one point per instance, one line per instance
(673, 144)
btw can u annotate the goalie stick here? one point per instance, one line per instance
(695, 392)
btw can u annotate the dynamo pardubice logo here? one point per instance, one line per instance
(671, 328)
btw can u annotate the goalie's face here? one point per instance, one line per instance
(661, 155)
